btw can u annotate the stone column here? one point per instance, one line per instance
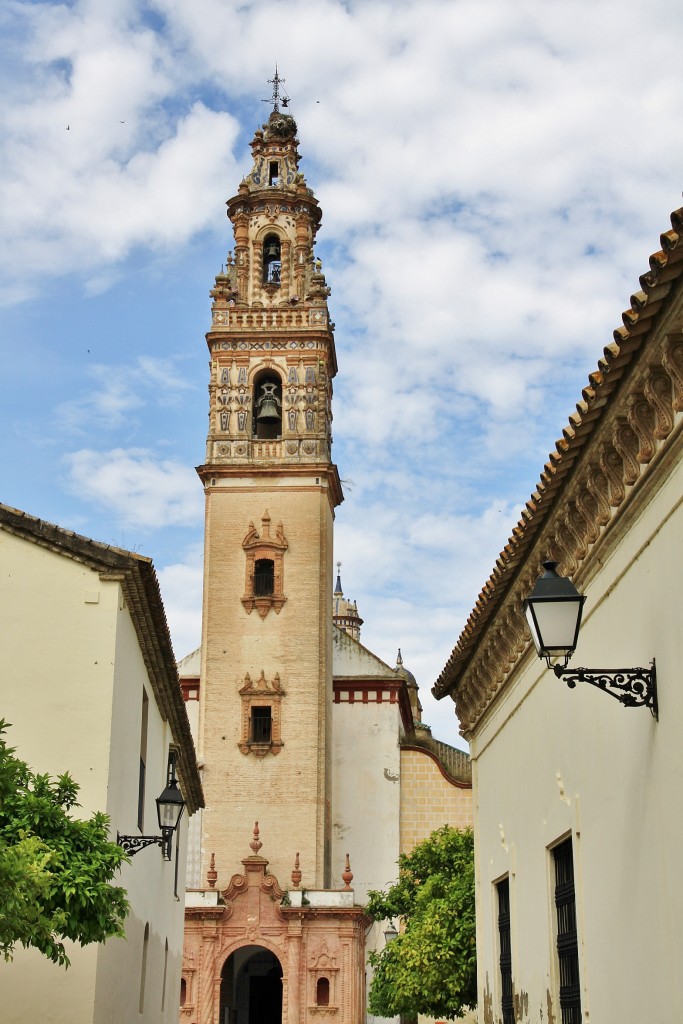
(293, 994)
(207, 978)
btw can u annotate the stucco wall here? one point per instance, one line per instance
(148, 879)
(72, 689)
(549, 761)
(366, 794)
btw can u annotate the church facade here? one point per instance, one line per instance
(316, 768)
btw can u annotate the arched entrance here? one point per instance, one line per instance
(251, 987)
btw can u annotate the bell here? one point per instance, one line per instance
(268, 410)
(268, 403)
(272, 251)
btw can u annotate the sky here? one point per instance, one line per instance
(493, 177)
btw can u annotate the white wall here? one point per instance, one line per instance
(72, 689)
(148, 879)
(550, 761)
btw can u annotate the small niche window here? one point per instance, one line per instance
(261, 715)
(272, 264)
(264, 577)
(274, 173)
(264, 568)
(322, 992)
(261, 724)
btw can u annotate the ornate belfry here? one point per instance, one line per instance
(274, 939)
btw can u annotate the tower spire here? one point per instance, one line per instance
(278, 97)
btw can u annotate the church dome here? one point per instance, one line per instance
(345, 612)
(411, 683)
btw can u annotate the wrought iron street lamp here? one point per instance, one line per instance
(553, 612)
(170, 807)
(390, 933)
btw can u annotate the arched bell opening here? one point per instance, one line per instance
(267, 406)
(251, 987)
(272, 260)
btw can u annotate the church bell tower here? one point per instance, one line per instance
(271, 490)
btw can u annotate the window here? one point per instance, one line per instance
(264, 577)
(264, 568)
(261, 724)
(274, 173)
(272, 264)
(567, 938)
(506, 1001)
(322, 992)
(143, 761)
(261, 715)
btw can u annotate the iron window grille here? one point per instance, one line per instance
(264, 577)
(567, 937)
(506, 1001)
(261, 725)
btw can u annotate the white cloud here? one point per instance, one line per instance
(181, 589)
(493, 178)
(115, 393)
(96, 160)
(137, 487)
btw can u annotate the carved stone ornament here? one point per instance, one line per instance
(262, 548)
(266, 698)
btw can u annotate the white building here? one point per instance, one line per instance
(577, 825)
(90, 688)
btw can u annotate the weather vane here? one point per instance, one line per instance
(277, 98)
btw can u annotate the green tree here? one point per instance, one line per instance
(431, 966)
(55, 870)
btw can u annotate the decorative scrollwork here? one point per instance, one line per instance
(133, 844)
(632, 687)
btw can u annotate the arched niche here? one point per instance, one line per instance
(271, 260)
(267, 405)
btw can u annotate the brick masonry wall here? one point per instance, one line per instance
(429, 800)
(287, 792)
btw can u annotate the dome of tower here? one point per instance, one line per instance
(345, 612)
(411, 683)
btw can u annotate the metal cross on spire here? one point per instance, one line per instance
(278, 97)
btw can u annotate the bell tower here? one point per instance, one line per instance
(271, 490)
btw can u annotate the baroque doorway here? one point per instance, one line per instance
(251, 987)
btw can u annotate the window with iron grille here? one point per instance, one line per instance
(567, 938)
(506, 1001)
(264, 577)
(261, 725)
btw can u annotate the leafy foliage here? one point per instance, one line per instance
(430, 967)
(55, 870)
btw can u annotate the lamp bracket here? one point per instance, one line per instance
(133, 844)
(632, 687)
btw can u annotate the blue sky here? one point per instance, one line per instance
(493, 177)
